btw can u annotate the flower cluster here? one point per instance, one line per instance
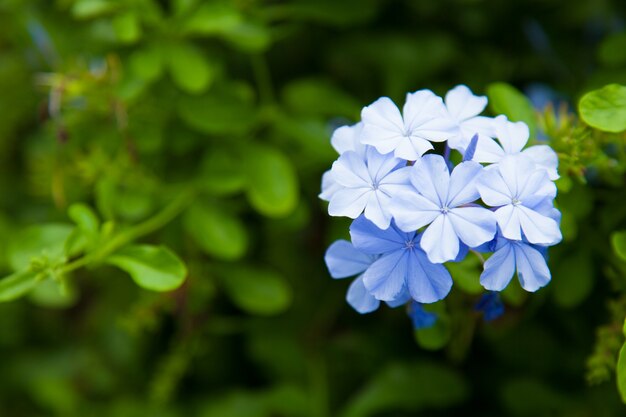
(414, 210)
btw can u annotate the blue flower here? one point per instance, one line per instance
(511, 256)
(421, 318)
(463, 109)
(522, 194)
(402, 265)
(440, 200)
(367, 185)
(491, 305)
(344, 261)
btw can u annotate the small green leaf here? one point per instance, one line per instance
(437, 336)
(189, 67)
(147, 63)
(218, 232)
(85, 218)
(87, 9)
(621, 373)
(249, 37)
(466, 274)
(605, 109)
(155, 268)
(212, 18)
(221, 173)
(618, 241)
(17, 284)
(506, 99)
(127, 28)
(45, 240)
(257, 291)
(217, 114)
(272, 184)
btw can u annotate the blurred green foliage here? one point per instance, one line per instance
(160, 164)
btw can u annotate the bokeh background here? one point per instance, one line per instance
(124, 106)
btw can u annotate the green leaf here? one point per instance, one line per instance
(52, 294)
(249, 37)
(221, 172)
(272, 184)
(87, 9)
(573, 279)
(396, 388)
(318, 96)
(147, 63)
(218, 232)
(217, 114)
(437, 336)
(621, 373)
(618, 241)
(605, 109)
(212, 18)
(257, 291)
(506, 99)
(466, 274)
(17, 284)
(127, 27)
(189, 67)
(612, 51)
(155, 268)
(45, 240)
(85, 218)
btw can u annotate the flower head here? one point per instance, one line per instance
(408, 134)
(441, 200)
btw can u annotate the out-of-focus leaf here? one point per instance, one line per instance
(85, 218)
(147, 63)
(127, 27)
(336, 13)
(217, 114)
(618, 241)
(272, 184)
(437, 336)
(314, 96)
(256, 290)
(527, 397)
(573, 280)
(605, 109)
(506, 99)
(50, 294)
(191, 70)
(249, 37)
(46, 240)
(155, 268)
(217, 232)
(621, 372)
(17, 284)
(88, 9)
(612, 50)
(213, 18)
(466, 274)
(221, 172)
(408, 387)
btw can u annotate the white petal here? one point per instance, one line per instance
(412, 211)
(532, 270)
(383, 126)
(515, 170)
(487, 150)
(329, 186)
(480, 124)
(350, 171)
(462, 188)
(499, 269)
(539, 229)
(378, 165)
(492, 188)
(347, 138)
(512, 135)
(384, 279)
(509, 222)
(439, 240)
(473, 225)
(349, 202)
(359, 298)
(462, 104)
(377, 209)
(536, 188)
(431, 178)
(425, 117)
(411, 148)
(545, 157)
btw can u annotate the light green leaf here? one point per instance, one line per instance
(45, 240)
(257, 291)
(87, 9)
(506, 99)
(318, 96)
(221, 172)
(212, 18)
(217, 232)
(618, 241)
(52, 294)
(189, 67)
(249, 37)
(155, 268)
(437, 336)
(272, 184)
(147, 63)
(466, 274)
(621, 373)
(605, 109)
(127, 27)
(85, 218)
(17, 284)
(217, 114)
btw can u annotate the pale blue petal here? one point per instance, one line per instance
(462, 189)
(473, 225)
(348, 202)
(515, 170)
(347, 138)
(344, 260)
(384, 279)
(412, 147)
(370, 239)
(492, 188)
(377, 209)
(499, 269)
(545, 157)
(532, 270)
(488, 150)
(351, 171)
(509, 222)
(402, 298)
(359, 298)
(440, 241)
(329, 186)
(383, 126)
(379, 165)
(462, 104)
(431, 178)
(412, 211)
(537, 188)
(427, 282)
(512, 135)
(537, 228)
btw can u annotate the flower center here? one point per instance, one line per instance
(444, 210)
(409, 244)
(374, 186)
(516, 201)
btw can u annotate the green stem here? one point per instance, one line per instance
(169, 213)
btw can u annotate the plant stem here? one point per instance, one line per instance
(169, 213)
